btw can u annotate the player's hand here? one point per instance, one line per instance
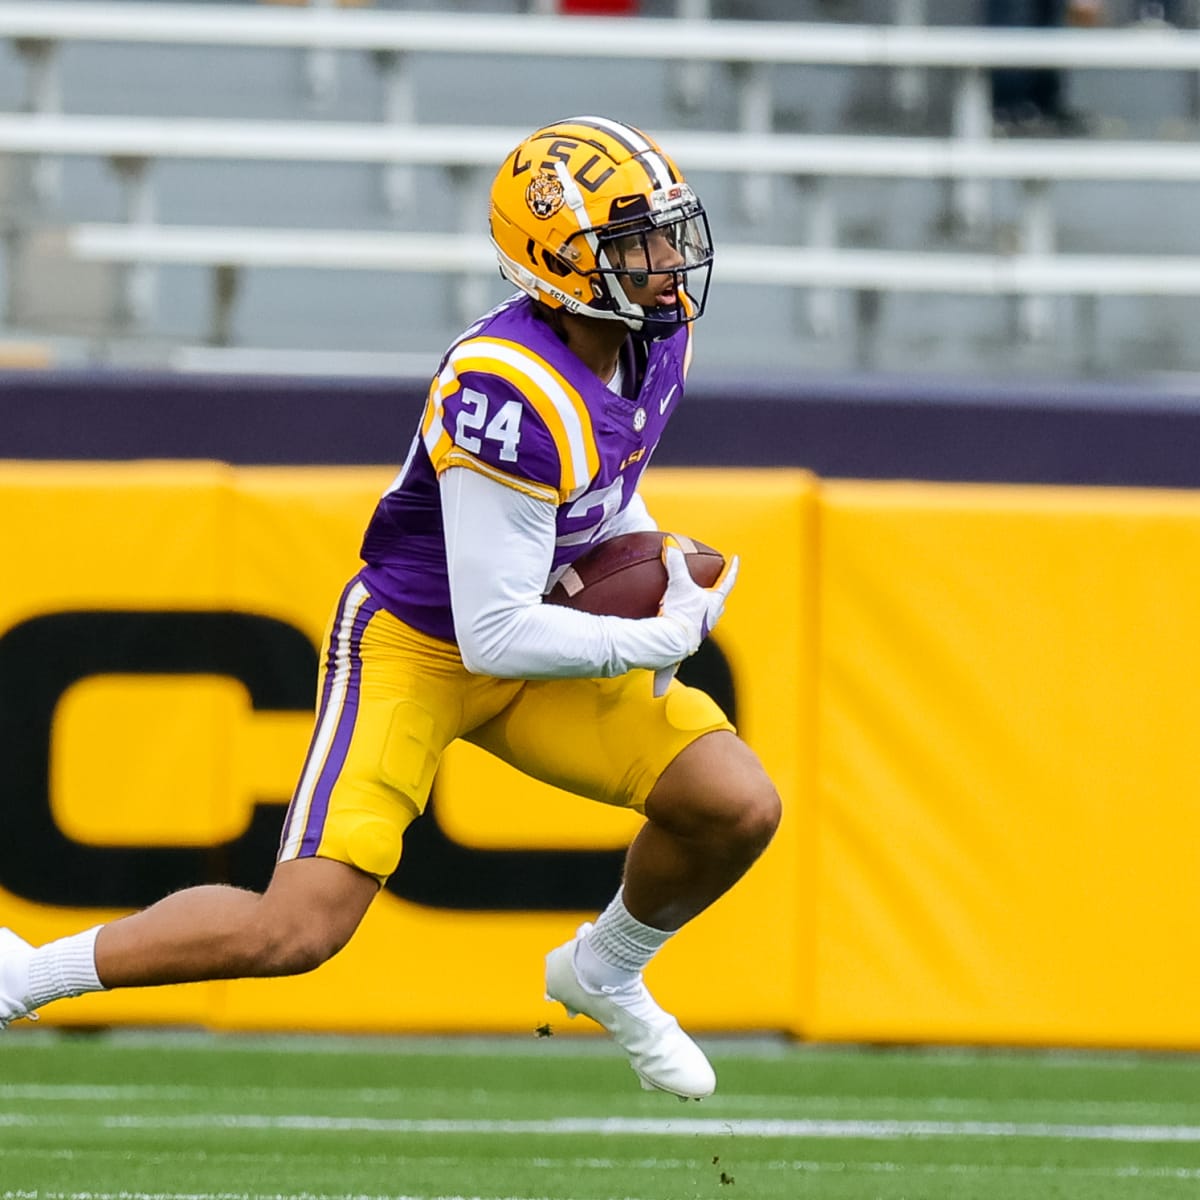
(696, 608)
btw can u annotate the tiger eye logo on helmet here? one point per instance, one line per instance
(544, 195)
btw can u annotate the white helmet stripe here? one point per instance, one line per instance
(647, 152)
(576, 204)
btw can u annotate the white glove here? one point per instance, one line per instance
(696, 608)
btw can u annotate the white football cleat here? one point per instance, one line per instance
(14, 1004)
(661, 1054)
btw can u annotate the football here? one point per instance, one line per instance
(625, 577)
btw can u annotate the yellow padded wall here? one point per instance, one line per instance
(99, 537)
(1008, 791)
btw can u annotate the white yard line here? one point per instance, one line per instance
(1056, 1171)
(814, 1128)
(633, 1162)
(682, 1127)
(804, 1166)
(960, 1105)
(44, 1195)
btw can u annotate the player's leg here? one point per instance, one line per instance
(710, 807)
(308, 912)
(713, 810)
(711, 813)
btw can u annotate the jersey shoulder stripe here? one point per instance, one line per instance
(556, 401)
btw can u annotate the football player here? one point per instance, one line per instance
(539, 423)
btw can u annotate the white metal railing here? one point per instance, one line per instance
(230, 249)
(665, 39)
(791, 266)
(485, 146)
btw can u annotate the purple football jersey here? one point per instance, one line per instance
(510, 400)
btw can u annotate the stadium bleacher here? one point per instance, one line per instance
(261, 176)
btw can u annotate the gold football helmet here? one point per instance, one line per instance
(587, 211)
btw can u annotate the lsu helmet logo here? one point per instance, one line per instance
(544, 195)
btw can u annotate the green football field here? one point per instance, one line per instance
(159, 1116)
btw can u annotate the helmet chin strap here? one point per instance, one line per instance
(653, 328)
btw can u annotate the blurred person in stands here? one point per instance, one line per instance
(1180, 13)
(538, 425)
(1031, 100)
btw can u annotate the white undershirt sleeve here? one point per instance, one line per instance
(499, 550)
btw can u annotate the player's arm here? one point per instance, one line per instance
(499, 549)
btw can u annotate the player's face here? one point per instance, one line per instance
(652, 259)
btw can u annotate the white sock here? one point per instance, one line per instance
(66, 967)
(614, 951)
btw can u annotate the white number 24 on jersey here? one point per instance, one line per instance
(504, 427)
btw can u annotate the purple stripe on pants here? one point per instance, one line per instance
(326, 692)
(340, 745)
